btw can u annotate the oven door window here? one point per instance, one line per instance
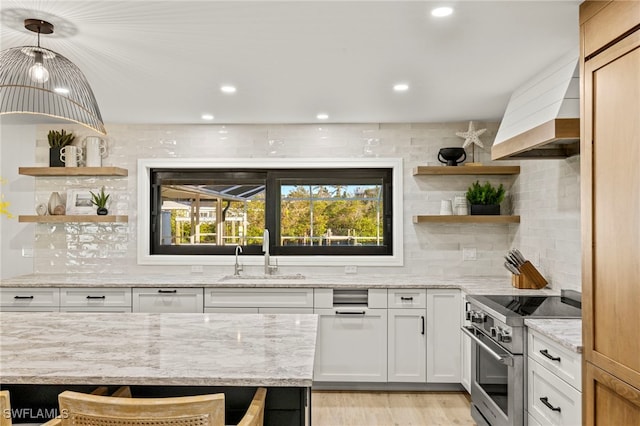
(492, 376)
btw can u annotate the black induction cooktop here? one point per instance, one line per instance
(534, 306)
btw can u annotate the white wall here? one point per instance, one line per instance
(17, 148)
(429, 249)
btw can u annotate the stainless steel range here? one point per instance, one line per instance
(498, 334)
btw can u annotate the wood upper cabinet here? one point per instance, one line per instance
(610, 175)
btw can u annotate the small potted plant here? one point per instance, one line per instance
(485, 199)
(57, 141)
(100, 201)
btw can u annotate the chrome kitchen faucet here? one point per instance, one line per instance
(268, 268)
(237, 266)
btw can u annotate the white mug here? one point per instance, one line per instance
(96, 150)
(71, 155)
(445, 207)
(460, 205)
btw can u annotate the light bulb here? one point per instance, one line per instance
(38, 73)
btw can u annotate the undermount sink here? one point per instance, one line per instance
(263, 277)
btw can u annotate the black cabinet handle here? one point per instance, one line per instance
(406, 298)
(546, 354)
(96, 297)
(167, 291)
(545, 401)
(23, 297)
(350, 313)
(422, 318)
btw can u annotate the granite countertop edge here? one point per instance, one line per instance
(470, 285)
(566, 332)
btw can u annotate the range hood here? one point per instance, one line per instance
(542, 119)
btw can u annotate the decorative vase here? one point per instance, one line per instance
(102, 211)
(56, 204)
(54, 157)
(485, 209)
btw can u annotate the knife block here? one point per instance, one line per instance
(529, 277)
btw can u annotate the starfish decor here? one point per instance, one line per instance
(471, 137)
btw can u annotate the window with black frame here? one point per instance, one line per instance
(307, 211)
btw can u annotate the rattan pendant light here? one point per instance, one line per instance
(35, 80)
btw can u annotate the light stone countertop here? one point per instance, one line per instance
(157, 349)
(470, 285)
(567, 332)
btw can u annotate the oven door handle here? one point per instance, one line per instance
(506, 360)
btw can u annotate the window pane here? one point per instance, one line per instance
(212, 214)
(331, 215)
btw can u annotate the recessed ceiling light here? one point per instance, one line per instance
(440, 12)
(207, 117)
(62, 90)
(228, 89)
(322, 116)
(401, 87)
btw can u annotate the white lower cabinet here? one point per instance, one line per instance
(465, 342)
(352, 336)
(444, 316)
(169, 300)
(553, 383)
(351, 345)
(407, 345)
(406, 336)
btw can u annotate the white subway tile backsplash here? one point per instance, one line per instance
(545, 195)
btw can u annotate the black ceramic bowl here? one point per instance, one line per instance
(451, 156)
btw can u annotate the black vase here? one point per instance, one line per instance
(485, 209)
(102, 211)
(54, 157)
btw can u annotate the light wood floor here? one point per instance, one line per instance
(340, 408)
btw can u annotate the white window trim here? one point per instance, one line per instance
(144, 201)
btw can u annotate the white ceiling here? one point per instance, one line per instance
(164, 61)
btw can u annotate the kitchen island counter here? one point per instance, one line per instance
(159, 355)
(157, 349)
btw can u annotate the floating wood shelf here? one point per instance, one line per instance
(466, 170)
(73, 171)
(73, 218)
(466, 219)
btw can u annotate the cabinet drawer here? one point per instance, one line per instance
(552, 401)
(168, 300)
(14, 297)
(95, 297)
(561, 361)
(259, 298)
(410, 298)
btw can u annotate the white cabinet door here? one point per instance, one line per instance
(465, 370)
(168, 300)
(407, 345)
(443, 335)
(351, 345)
